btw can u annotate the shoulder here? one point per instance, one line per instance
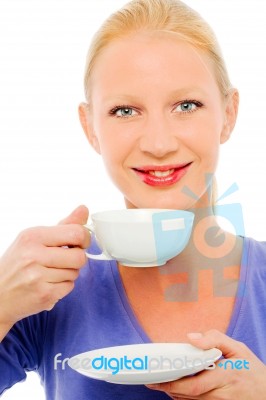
(255, 252)
(254, 261)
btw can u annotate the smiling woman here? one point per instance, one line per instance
(175, 107)
(159, 105)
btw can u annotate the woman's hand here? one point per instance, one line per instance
(224, 382)
(38, 269)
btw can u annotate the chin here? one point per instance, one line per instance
(161, 202)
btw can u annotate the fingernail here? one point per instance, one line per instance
(195, 335)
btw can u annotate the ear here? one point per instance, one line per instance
(85, 118)
(231, 111)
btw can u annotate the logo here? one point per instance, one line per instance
(234, 364)
(145, 363)
(115, 365)
(209, 246)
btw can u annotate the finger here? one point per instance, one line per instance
(177, 397)
(61, 235)
(194, 386)
(62, 289)
(181, 397)
(56, 292)
(36, 275)
(78, 216)
(214, 338)
(58, 257)
(57, 275)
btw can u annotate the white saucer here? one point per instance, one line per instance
(145, 363)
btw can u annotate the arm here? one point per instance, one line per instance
(22, 350)
(37, 271)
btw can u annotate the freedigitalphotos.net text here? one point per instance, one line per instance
(146, 364)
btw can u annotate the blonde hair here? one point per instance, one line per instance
(169, 16)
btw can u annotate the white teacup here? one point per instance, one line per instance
(141, 237)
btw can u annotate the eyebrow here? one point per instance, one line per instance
(191, 90)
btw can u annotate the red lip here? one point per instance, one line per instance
(152, 180)
(160, 167)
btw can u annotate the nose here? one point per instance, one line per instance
(157, 137)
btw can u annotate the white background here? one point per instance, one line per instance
(47, 167)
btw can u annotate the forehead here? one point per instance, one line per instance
(149, 62)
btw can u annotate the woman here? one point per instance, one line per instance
(159, 105)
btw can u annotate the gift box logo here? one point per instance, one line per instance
(205, 247)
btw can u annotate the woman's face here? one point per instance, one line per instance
(157, 118)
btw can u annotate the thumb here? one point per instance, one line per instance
(213, 338)
(78, 216)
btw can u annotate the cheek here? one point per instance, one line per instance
(106, 138)
(116, 142)
(113, 150)
(205, 138)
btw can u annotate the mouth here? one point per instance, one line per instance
(162, 175)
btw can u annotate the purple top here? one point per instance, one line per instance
(97, 314)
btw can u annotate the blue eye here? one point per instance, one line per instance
(123, 112)
(188, 106)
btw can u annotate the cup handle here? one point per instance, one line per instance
(102, 256)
